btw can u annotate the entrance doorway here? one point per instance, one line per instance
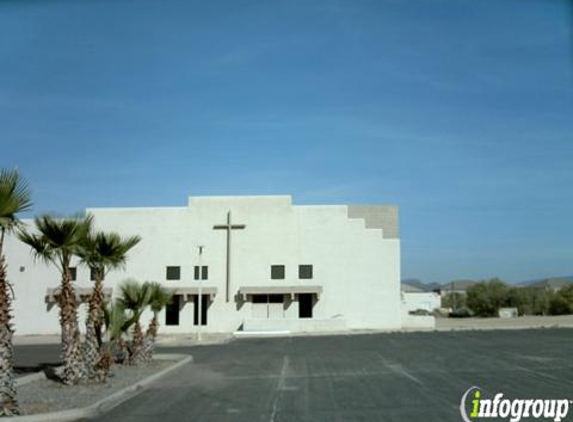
(268, 306)
(204, 307)
(172, 311)
(305, 303)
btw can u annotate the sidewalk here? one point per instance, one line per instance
(36, 339)
(190, 339)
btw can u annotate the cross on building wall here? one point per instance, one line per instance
(229, 227)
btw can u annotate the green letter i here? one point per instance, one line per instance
(477, 395)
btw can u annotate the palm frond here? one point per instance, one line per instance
(57, 239)
(39, 247)
(15, 197)
(134, 296)
(159, 296)
(106, 250)
(117, 320)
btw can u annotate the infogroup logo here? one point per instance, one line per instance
(479, 407)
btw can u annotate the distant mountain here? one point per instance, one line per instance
(418, 284)
(458, 285)
(547, 282)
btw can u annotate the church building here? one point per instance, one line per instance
(245, 263)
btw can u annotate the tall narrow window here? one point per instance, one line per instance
(305, 272)
(202, 272)
(305, 304)
(172, 311)
(74, 273)
(204, 307)
(173, 273)
(277, 272)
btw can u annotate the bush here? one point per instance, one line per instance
(562, 302)
(559, 305)
(463, 312)
(486, 297)
(420, 312)
(530, 300)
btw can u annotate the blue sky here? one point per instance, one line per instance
(459, 111)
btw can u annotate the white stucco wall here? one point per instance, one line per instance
(358, 268)
(427, 301)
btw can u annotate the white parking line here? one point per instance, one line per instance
(280, 387)
(398, 369)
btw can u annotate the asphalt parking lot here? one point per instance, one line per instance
(383, 377)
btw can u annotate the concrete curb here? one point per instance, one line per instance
(107, 403)
(27, 379)
(262, 334)
(503, 328)
(190, 341)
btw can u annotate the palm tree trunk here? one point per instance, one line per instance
(71, 345)
(150, 337)
(123, 351)
(8, 401)
(137, 355)
(103, 366)
(92, 350)
(2, 234)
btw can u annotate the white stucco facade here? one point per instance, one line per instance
(427, 301)
(354, 252)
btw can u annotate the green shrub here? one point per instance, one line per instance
(486, 297)
(559, 305)
(530, 300)
(463, 312)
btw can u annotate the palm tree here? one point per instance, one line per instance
(117, 322)
(159, 298)
(56, 242)
(14, 198)
(102, 252)
(135, 298)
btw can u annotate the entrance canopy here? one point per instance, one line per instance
(279, 290)
(189, 292)
(82, 293)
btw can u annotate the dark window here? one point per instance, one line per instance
(204, 306)
(305, 271)
(172, 311)
(260, 298)
(277, 272)
(276, 298)
(204, 270)
(305, 305)
(173, 273)
(73, 273)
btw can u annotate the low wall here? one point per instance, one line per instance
(294, 325)
(418, 322)
(564, 321)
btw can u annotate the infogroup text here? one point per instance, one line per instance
(513, 409)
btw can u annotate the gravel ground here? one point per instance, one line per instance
(50, 396)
